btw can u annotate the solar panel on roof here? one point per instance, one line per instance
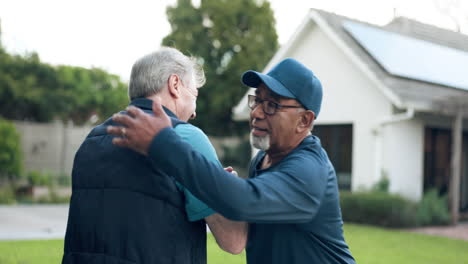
(413, 58)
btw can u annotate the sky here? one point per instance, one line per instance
(113, 34)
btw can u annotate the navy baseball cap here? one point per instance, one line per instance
(290, 79)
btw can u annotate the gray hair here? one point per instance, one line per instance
(150, 74)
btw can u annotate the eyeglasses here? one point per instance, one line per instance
(268, 107)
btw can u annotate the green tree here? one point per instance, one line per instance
(36, 91)
(10, 151)
(228, 37)
(86, 92)
(25, 85)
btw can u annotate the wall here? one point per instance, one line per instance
(50, 147)
(403, 157)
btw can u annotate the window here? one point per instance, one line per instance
(337, 140)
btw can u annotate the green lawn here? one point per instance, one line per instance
(385, 246)
(368, 245)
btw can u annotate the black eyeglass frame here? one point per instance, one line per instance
(253, 101)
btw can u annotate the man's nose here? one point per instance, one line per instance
(193, 115)
(257, 112)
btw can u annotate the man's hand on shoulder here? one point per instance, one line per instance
(231, 170)
(138, 129)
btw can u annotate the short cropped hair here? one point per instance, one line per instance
(151, 72)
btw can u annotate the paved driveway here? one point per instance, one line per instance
(50, 221)
(459, 231)
(20, 222)
(33, 221)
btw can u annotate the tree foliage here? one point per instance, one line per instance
(10, 151)
(229, 37)
(36, 91)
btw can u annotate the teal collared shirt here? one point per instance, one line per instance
(196, 209)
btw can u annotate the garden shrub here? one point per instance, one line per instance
(392, 210)
(7, 194)
(378, 208)
(433, 209)
(36, 178)
(383, 184)
(10, 151)
(64, 180)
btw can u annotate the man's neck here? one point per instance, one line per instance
(166, 102)
(274, 156)
(271, 159)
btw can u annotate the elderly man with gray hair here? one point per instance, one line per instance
(119, 211)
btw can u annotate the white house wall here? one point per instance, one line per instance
(349, 98)
(404, 157)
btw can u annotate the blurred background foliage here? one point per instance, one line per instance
(10, 152)
(379, 207)
(36, 91)
(228, 38)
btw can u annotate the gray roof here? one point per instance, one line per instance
(422, 96)
(415, 29)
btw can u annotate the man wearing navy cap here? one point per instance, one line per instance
(291, 198)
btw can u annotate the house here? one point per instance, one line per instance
(395, 101)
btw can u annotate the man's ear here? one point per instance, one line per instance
(305, 121)
(173, 85)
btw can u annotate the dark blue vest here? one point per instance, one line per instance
(123, 210)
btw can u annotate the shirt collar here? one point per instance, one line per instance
(147, 104)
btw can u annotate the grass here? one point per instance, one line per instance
(216, 255)
(368, 245)
(51, 251)
(29, 252)
(384, 246)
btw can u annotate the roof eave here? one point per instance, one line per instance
(314, 17)
(392, 96)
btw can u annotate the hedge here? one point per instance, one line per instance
(392, 210)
